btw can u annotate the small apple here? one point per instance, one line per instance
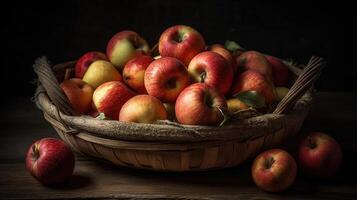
(319, 155)
(134, 71)
(79, 94)
(50, 161)
(86, 60)
(200, 104)
(165, 78)
(124, 46)
(109, 97)
(211, 68)
(235, 105)
(279, 70)
(218, 48)
(143, 109)
(253, 60)
(100, 72)
(274, 170)
(252, 80)
(181, 42)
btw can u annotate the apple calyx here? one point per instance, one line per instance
(269, 162)
(35, 151)
(225, 114)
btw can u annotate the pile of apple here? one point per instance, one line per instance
(185, 81)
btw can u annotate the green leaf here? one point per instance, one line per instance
(101, 116)
(251, 98)
(233, 46)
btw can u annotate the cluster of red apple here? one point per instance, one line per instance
(185, 80)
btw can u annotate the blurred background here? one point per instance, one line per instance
(63, 31)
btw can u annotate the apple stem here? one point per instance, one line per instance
(225, 114)
(35, 151)
(202, 77)
(269, 163)
(311, 142)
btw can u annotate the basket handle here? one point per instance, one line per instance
(51, 86)
(306, 78)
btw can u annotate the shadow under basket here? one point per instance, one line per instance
(169, 146)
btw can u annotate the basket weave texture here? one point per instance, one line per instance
(169, 146)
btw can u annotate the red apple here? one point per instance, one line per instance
(165, 78)
(79, 94)
(50, 161)
(252, 80)
(274, 170)
(86, 60)
(109, 97)
(211, 68)
(134, 71)
(143, 109)
(124, 46)
(218, 48)
(99, 72)
(319, 155)
(181, 42)
(199, 104)
(253, 60)
(279, 70)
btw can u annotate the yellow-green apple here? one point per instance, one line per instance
(253, 60)
(165, 78)
(281, 92)
(181, 42)
(218, 48)
(124, 46)
(235, 105)
(79, 94)
(134, 71)
(99, 72)
(109, 97)
(274, 170)
(50, 161)
(200, 104)
(143, 109)
(170, 110)
(211, 68)
(86, 60)
(252, 80)
(319, 155)
(279, 70)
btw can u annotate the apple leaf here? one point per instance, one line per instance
(101, 116)
(251, 98)
(233, 46)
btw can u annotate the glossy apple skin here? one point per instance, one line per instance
(319, 155)
(124, 46)
(109, 98)
(79, 94)
(279, 71)
(217, 71)
(181, 42)
(134, 72)
(253, 60)
(198, 105)
(165, 78)
(50, 161)
(274, 170)
(218, 48)
(143, 109)
(86, 60)
(252, 80)
(100, 72)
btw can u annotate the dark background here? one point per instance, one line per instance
(64, 31)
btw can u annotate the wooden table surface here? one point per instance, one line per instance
(22, 123)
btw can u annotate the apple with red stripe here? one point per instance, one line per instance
(181, 42)
(165, 78)
(86, 60)
(50, 161)
(109, 97)
(124, 46)
(200, 104)
(253, 60)
(213, 69)
(218, 48)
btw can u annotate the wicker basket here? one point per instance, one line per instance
(168, 146)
